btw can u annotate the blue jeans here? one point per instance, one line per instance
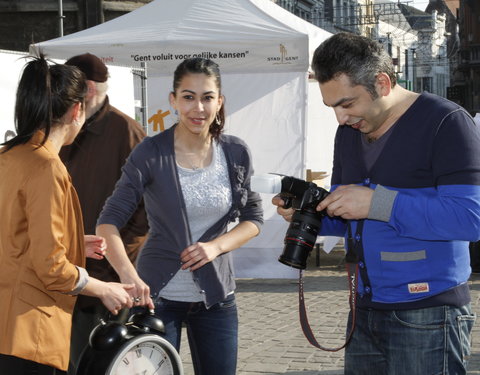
(212, 334)
(429, 341)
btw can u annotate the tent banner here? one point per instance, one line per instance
(162, 58)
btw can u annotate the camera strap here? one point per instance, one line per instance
(351, 265)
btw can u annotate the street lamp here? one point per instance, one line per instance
(60, 16)
(414, 75)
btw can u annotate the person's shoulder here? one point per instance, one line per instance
(36, 155)
(118, 112)
(429, 100)
(34, 158)
(41, 165)
(435, 112)
(234, 146)
(233, 140)
(48, 160)
(145, 144)
(125, 120)
(154, 141)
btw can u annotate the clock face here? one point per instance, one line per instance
(146, 355)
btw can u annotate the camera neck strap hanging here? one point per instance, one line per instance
(351, 264)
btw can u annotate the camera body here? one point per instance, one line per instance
(303, 197)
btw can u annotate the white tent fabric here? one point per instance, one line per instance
(263, 52)
(241, 35)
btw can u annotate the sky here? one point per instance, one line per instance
(419, 4)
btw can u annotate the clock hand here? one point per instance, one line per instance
(159, 365)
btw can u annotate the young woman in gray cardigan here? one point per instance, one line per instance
(194, 181)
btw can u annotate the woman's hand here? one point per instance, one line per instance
(199, 254)
(115, 296)
(117, 256)
(95, 246)
(140, 293)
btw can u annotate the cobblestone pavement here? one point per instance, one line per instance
(271, 340)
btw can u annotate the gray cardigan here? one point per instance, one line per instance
(151, 172)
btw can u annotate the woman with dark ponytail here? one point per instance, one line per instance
(42, 243)
(195, 181)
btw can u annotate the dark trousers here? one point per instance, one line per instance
(475, 256)
(10, 365)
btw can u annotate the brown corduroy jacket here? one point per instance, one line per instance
(94, 161)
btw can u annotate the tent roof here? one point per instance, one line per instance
(241, 35)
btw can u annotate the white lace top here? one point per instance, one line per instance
(208, 197)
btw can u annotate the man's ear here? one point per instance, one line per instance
(91, 89)
(383, 84)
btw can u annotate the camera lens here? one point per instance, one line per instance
(300, 239)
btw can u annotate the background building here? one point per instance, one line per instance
(466, 85)
(23, 22)
(437, 50)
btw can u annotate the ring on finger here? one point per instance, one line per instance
(137, 299)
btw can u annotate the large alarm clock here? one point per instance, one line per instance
(136, 347)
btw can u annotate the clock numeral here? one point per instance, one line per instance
(126, 361)
(161, 363)
(138, 352)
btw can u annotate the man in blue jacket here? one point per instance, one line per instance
(406, 195)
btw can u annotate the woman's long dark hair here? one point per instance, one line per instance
(44, 94)
(198, 65)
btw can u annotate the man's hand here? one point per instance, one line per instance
(287, 213)
(350, 202)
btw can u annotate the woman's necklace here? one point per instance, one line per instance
(194, 163)
(195, 160)
(192, 153)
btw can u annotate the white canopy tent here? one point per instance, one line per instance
(263, 52)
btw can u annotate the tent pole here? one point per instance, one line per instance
(143, 76)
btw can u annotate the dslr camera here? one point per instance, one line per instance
(303, 197)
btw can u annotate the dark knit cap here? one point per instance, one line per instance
(93, 68)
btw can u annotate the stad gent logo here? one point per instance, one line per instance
(283, 57)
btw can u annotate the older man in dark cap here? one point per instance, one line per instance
(94, 161)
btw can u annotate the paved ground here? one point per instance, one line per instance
(271, 339)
